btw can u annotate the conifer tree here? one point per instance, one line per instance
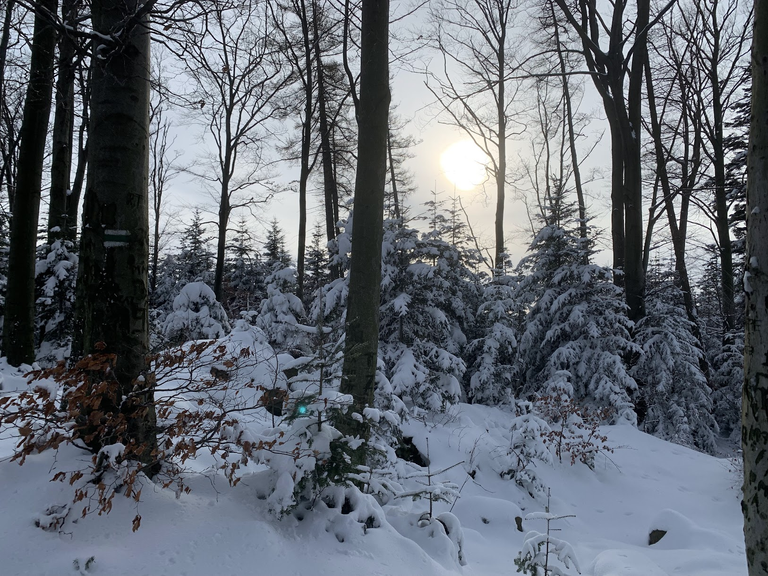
(575, 334)
(674, 394)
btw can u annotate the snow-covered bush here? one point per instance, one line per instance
(282, 311)
(196, 315)
(541, 550)
(212, 402)
(528, 444)
(55, 277)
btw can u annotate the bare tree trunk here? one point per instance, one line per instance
(18, 327)
(306, 141)
(112, 295)
(390, 159)
(5, 168)
(501, 168)
(754, 439)
(59, 219)
(362, 324)
(329, 181)
(225, 210)
(678, 235)
(571, 132)
(634, 273)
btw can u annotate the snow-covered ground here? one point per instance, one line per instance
(216, 529)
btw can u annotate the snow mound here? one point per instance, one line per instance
(682, 532)
(625, 563)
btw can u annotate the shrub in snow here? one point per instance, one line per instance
(528, 444)
(673, 386)
(211, 397)
(574, 430)
(576, 333)
(281, 311)
(196, 315)
(542, 552)
(55, 277)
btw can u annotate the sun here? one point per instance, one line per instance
(464, 164)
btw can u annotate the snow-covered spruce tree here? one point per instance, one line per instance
(576, 333)
(727, 381)
(244, 280)
(275, 253)
(317, 264)
(55, 276)
(192, 263)
(195, 259)
(426, 309)
(196, 315)
(673, 390)
(491, 354)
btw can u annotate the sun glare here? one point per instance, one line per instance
(464, 164)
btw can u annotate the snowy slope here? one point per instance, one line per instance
(219, 530)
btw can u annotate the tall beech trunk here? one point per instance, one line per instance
(754, 427)
(19, 324)
(112, 296)
(362, 325)
(61, 214)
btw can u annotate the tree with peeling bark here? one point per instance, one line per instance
(755, 401)
(112, 288)
(362, 323)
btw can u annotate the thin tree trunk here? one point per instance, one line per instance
(63, 127)
(19, 324)
(754, 413)
(5, 168)
(112, 295)
(225, 210)
(329, 182)
(571, 133)
(306, 141)
(362, 324)
(678, 236)
(501, 169)
(395, 198)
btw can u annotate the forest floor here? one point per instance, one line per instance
(218, 530)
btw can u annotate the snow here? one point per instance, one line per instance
(645, 484)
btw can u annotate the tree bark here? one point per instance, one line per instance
(362, 324)
(19, 324)
(59, 217)
(112, 295)
(6, 167)
(306, 141)
(754, 431)
(330, 189)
